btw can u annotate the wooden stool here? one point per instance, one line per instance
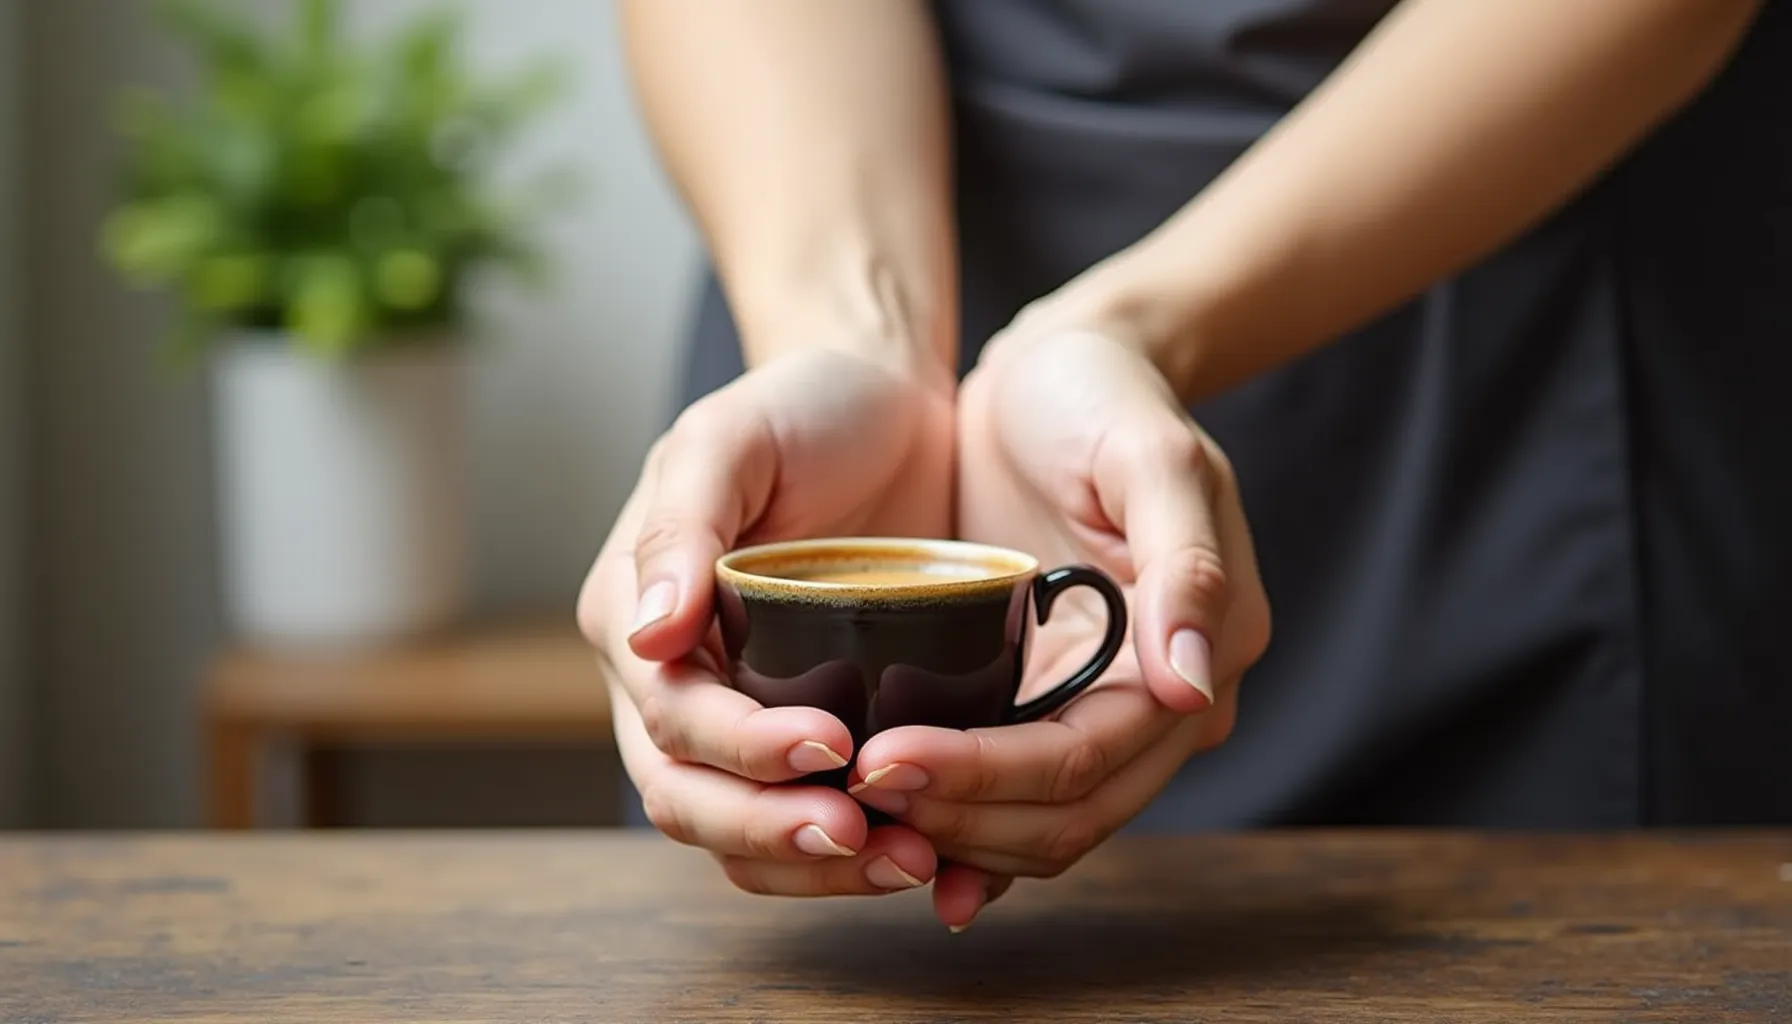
(502, 685)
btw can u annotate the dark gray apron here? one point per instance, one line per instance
(1528, 539)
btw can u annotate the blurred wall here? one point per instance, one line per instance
(14, 756)
(569, 390)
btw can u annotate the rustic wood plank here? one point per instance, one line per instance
(603, 927)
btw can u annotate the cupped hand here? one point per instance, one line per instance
(1072, 447)
(814, 443)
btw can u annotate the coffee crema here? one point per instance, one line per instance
(882, 576)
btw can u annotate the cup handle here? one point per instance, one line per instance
(1046, 589)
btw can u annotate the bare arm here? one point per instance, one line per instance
(1455, 127)
(809, 138)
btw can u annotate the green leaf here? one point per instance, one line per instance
(222, 40)
(425, 49)
(321, 23)
(154, 242)
(327, 307)
(344, 189)
(240, 164)
(334, 114)
(408, 279)
(229, 283)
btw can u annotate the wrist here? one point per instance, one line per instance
(887, 311)
(1196, 317)
(1129, 301)
(817, 323)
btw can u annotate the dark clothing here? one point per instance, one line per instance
(1528, 540)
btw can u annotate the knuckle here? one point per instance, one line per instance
(985, 784)
(663, 725)
(1178, 451)
(1069, 843)
(665, 814)
(944, 824)
(1083, 767)
(658, 536)
(763, 843)
(743, 758)
(593, 622)
(1218, 467)
(704, 428)
(1201, 576)
(692, 421)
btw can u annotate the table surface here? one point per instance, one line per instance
(606, 927)
(529, 680)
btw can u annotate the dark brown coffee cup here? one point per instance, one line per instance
(886, 632)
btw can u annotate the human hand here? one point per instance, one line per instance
(813, 443)
(1072, 447)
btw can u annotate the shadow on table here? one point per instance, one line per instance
(1058, 950)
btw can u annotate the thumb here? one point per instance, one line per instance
(1160, 485)
(712, 477)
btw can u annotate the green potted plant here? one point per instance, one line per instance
(319, 209)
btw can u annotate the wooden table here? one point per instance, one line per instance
(523, 684)
(319, 927)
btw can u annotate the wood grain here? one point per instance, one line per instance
(528, 683)
(602, 927)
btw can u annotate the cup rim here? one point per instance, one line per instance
(1018, 564)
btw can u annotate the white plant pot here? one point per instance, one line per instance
(341, 498)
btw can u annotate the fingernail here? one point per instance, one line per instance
(810, 756)
(895, 804)
(898, 776)
(656, 603)
(814, 841)
(956, 928)
(887, 874)
(1191, 659)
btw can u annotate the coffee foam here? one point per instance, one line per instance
(953, 570)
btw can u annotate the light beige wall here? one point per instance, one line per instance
(569, 388)
(14, 755)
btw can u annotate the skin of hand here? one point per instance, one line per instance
(1431, 133)
(808, 139)
(1072, 447)
(818, 442)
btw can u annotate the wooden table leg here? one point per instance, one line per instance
(233, 775)
(322, 772)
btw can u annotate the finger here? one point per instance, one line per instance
(960, 893)
(1043, 840)
(688, 711)
(894, 859)
(712, 475)
(731, 816)
(693, 717)
(1156, 479)
(1049, 762)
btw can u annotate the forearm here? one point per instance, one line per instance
(809, 140)
(1454, 128)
